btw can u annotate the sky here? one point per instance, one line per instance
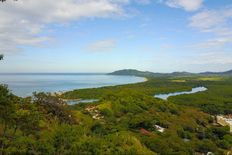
(108, 35)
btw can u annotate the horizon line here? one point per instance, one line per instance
(102, 73)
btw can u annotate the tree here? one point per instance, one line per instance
(7, 107)
(53, 105)
(1, 56)
(7, 111)
(27, 117)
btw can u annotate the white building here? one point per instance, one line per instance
(159, 128)
(225, 121)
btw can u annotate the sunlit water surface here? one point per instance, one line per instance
(25, 84)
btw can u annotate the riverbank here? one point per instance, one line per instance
(72, 101)
(149, 86)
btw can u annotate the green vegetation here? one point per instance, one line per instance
(216, 100)
(135, 72)
(174, 74)
(123, 121)
(150, 87)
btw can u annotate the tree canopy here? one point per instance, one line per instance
(125, 120)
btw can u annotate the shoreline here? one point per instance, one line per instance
(24, 87)
(80, 99)
(60, 93)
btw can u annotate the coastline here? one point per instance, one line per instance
(25, 85)
(145, 80)
(61, 93)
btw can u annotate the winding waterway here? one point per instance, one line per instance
(194, 90)
(72, 102)
(161, 96)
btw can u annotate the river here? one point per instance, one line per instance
(194, 90)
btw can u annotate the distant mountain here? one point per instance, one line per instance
(226, 73)
(181, 74)
(135, 72)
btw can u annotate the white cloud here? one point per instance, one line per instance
(187, 5)
(21, 22)
(216, 22)
(213, 57)
(209, 20)
(212, 44)
(102, 45)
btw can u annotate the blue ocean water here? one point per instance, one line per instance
(25, 84)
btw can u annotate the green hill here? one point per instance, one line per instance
(133, 72)
(226, 73)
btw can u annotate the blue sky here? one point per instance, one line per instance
(108, 35)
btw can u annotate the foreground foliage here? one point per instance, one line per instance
(44, 124)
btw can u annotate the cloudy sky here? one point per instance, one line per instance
(107, 35)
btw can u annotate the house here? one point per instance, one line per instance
(225, 120)
(159, 128)
(94, 112)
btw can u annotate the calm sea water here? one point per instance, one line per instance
(25, 84)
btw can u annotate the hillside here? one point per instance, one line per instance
(226, 73)
(135, 72)
(126, 120)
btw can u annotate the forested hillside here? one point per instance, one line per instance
(135, 72)
(126, 120)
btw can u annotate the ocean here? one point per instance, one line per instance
(24, 84)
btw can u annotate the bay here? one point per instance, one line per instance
(24, 84)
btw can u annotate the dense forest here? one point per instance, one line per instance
(127, 119)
